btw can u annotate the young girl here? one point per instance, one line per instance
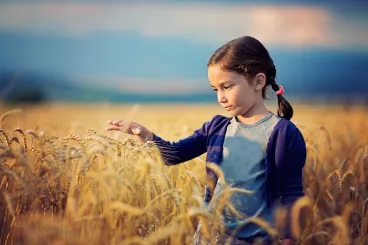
(256, 149)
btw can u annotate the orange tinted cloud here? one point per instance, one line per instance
(209, 23)
(151, 85)
(293, 25)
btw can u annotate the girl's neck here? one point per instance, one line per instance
(254, 114)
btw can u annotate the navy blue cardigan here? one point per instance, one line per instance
(285, 157)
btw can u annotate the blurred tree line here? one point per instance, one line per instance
(20, 89)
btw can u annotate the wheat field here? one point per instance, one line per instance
(65, 180)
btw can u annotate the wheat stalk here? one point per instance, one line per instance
(8, 113)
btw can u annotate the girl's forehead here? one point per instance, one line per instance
(219, 72)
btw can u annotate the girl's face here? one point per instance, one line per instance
(234, 92)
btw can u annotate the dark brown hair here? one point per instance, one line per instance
(246, 55)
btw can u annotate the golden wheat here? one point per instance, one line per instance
(62, 184)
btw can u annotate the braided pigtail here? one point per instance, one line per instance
(285, 109)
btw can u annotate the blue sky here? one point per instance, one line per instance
(163, 46)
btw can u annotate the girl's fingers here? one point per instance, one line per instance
(129, 130)
(113, 128)
(115, 122)
(137, 131)
(118, 122)
(122, 123)
(118, 128)
(125, 127)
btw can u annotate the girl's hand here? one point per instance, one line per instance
(131, 128)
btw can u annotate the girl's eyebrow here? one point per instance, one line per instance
(222, 83)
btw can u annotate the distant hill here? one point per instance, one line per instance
(31, 87)
(36, 88)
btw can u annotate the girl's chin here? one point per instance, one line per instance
(233, 113)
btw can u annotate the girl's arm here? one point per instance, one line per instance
(172, 152)
(291, 176)
(183, 150)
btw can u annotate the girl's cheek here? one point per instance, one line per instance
(236, 96)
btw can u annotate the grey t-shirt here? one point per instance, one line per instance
(244, 167)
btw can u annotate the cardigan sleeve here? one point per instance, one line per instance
(185, 149)
(295, 157)
(291, 186)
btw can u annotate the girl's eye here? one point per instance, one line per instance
(214, 90)
(227, 87)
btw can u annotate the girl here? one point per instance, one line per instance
(256, 149)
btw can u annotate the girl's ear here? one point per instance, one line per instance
(259, 81)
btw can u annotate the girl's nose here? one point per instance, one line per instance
(221, 98)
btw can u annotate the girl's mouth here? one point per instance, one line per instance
(228, 108)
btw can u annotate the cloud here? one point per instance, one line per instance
(149, 85)
(214, 23)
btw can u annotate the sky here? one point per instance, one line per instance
(163, 46)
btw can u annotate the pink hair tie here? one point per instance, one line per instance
(281, 90)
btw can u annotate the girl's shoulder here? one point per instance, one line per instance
(215, 126)
(220, 117)
(287, 126)
(284, 128)
(287, 131)
(217, 120)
